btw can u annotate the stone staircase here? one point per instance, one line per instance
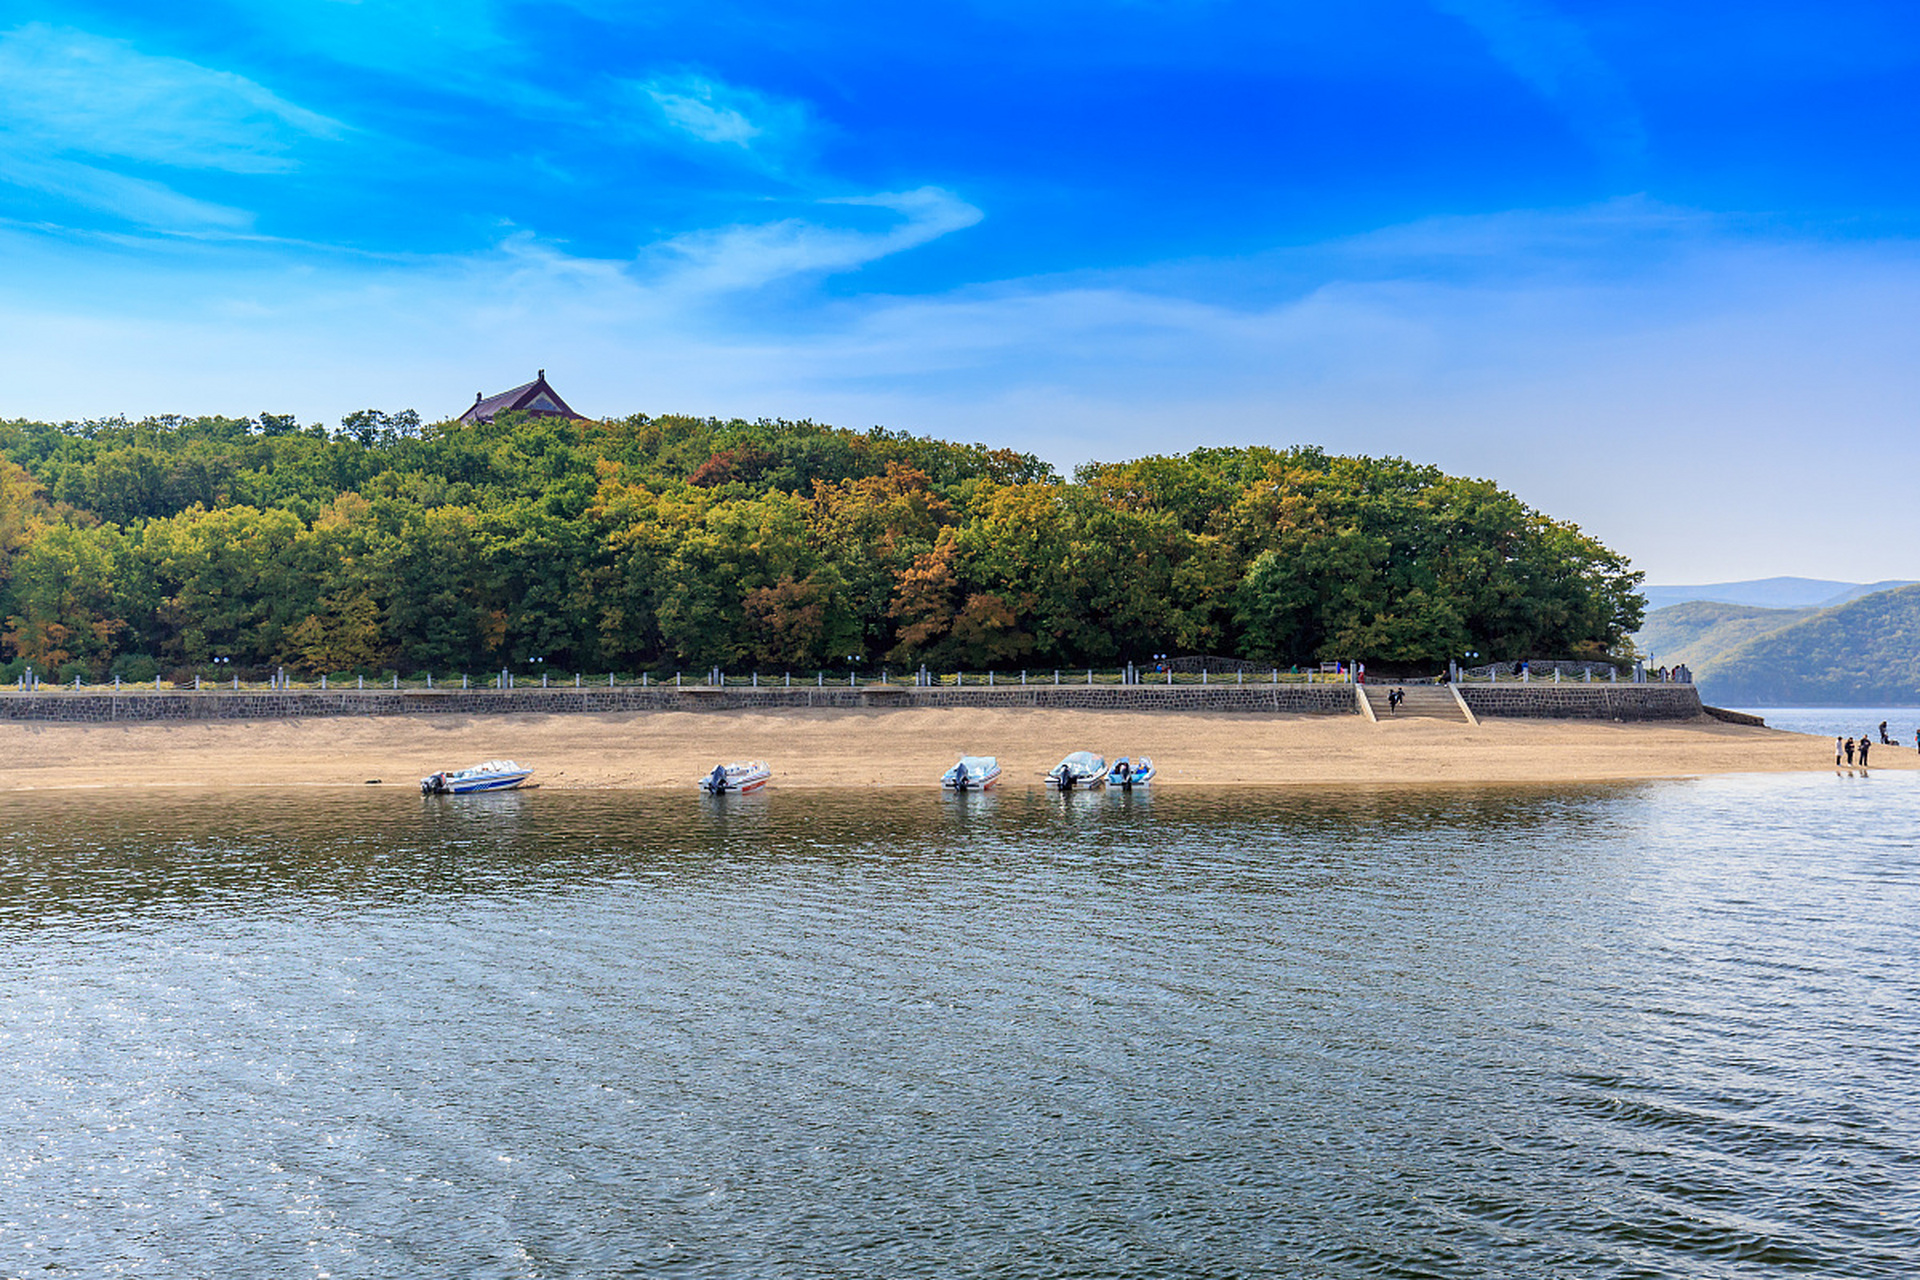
(1423, 702)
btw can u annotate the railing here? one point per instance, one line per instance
(520, 681)
(1562, 672)
(714, 679)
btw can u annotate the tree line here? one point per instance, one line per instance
(665, 543)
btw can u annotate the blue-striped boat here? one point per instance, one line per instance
(494, 775)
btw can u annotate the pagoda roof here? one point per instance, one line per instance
(537, 398)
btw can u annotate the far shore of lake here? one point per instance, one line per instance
(893, 748)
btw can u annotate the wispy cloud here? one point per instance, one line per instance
(708, 111)
(137, 200)
(742, 257)
(1602, 399)
(70, 92)
(1554, 56)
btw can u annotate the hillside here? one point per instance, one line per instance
(1700, 631)
(1769, 593)
(1865, 651)
(678, 544)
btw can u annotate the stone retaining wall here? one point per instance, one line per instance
(1562, 701)
(1584, 701)
(87, 706)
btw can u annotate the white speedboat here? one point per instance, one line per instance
(973, 773)
(1081, 769)
(494, 775)
(740, 776)
(1127, 774)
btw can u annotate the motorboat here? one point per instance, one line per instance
(1081, 769)
(973, 773)
(494, 775)
(1127, 774)
(739, 777)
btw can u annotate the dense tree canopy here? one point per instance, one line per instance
(666, 543)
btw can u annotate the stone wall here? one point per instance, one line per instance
(88, 706)
(1554, 701)
(1584, 701)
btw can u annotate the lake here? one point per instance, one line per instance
(1843, 722)
(1646, 1030)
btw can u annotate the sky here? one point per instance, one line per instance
(1655, 268)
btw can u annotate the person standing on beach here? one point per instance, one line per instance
(1836, 748)
(1849, 753)
(1865, 742)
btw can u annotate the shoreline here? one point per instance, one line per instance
(881, 748)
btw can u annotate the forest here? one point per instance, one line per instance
(672, 543)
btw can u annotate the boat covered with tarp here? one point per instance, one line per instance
(494, 775)
(972, 773)
(740, 776)
(1079, 771)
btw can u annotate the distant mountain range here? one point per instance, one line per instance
(1770, 593)
(1863, 647)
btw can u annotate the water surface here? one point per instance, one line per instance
(1652, 1030)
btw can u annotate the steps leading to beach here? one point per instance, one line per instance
(1423, 702)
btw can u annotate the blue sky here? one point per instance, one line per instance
(1654, 267)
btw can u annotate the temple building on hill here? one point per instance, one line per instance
(535, 398)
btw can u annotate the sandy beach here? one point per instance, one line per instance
(892, 748)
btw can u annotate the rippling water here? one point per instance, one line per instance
(1903, 723)
(1657, 1030)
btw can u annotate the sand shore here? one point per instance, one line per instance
(892, 748)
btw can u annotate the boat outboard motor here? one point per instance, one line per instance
(717, 780)
(1123, 774)
(960, 777)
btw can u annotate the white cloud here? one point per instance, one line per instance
(689, 104)
(721, 121)
(69, 92)
(744, 257)
(1716, 413)
(137, 200)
